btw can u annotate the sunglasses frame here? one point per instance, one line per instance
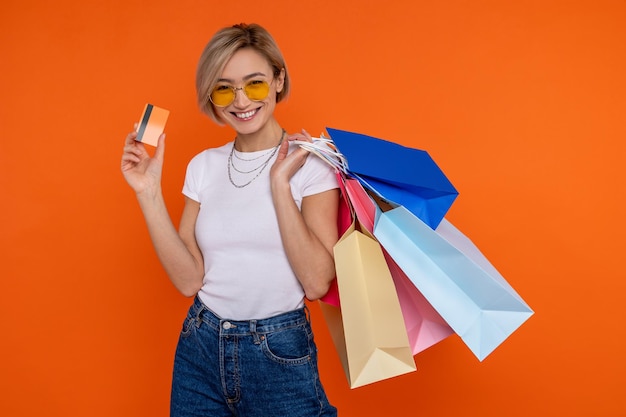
(243, 89)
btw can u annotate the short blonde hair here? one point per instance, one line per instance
(222, 47)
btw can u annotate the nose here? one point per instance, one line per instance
(241, 99)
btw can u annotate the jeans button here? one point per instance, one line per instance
(227, 325)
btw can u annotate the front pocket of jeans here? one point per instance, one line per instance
(188, 326)
(288, 346)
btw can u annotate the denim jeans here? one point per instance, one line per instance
(252, 368)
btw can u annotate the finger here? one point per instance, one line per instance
(127, 157)
(300, 154)
(282, 151)
(135, 148)
(131, 138)
(129, 162)
(160, 150)
(296, 136)
(303, 136)
(307, 135)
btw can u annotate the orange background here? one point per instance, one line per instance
(521, 103)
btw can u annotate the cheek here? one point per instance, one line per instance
(220, 114)
(271, 100)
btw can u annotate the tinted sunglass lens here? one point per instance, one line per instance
(257, 90)
(222, 95)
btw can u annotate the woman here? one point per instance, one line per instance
(255, 238)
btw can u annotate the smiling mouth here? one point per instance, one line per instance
(246, 115)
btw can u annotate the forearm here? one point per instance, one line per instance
(184, 268)
(310, 258)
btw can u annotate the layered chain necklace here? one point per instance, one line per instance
(254, 171)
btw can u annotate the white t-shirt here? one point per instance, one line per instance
(246, 271)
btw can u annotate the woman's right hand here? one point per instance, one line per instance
(142, 172)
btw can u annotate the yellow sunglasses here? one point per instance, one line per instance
(224, 94)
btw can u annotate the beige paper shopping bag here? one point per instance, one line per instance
(368, 328)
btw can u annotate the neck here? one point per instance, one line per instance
(264, 138)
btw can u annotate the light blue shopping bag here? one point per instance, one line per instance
(454, 276)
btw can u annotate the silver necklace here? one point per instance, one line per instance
(237, 156)
(259, 169)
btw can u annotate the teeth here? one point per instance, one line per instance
(246, 114)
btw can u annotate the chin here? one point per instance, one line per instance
(249, 126)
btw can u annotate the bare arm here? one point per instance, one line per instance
(308, 234)
(177, 250)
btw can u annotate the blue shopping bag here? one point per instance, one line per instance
(405, 176)
(455, 277)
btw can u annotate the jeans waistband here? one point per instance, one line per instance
(293, 318)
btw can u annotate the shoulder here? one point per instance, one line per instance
(317, 167)
(207, 156)
(201, 167)
(315, 176)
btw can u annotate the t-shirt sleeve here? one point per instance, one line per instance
(317, 176)
(192, 185)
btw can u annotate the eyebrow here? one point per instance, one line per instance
(247, 77)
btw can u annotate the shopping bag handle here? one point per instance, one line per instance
(324, 148)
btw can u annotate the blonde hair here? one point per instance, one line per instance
(222, 47)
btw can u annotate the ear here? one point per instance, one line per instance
(280, 81)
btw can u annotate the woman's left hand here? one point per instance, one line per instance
(287, 164)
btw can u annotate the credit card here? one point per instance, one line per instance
(152, 124)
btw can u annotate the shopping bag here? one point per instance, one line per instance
(344, 222)
(405, 176)
(455, 277)
(425, 327)
(367, 329)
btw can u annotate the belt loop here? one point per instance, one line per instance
(198, 315)
(307, 314)
(255, 335)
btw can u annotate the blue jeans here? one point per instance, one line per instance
(252, 368)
